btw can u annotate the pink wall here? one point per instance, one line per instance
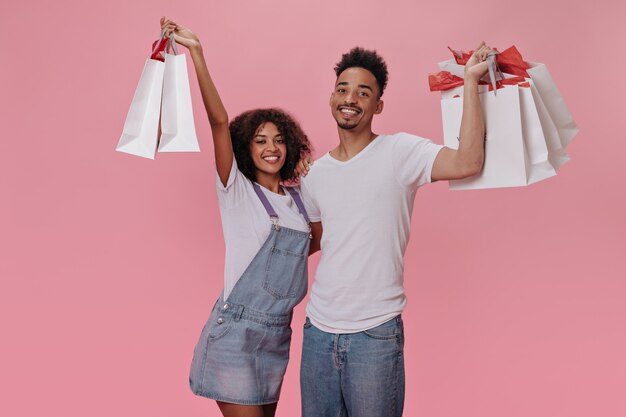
(110, 263)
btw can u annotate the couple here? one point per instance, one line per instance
(362, 194)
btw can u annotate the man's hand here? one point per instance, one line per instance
(468, 159)
(303, 166)
(476, 66)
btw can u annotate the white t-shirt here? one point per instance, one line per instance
(365, 207)
(246, 224)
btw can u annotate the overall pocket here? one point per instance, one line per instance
(285, 275)
(219, 325)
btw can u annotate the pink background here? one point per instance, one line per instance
(110, 263)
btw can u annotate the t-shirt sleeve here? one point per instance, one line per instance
(235, 190)
(312, 209)
(413, 159)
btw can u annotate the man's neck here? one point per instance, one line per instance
(351, 143)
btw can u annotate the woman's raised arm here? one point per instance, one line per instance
(218, 117)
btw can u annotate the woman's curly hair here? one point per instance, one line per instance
(244, 127)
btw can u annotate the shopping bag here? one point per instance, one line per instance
(450, 83)
(556, 151)
(537, 155)
(509, 160)
(544, 136)
(540, 158)
(553, 102)
(178, 132)
(512, 64)
(140, 133)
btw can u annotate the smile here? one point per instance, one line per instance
(347, 110)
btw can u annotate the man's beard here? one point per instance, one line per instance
(346, 126)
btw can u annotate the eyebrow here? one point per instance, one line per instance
(264, 136)
(360, 85)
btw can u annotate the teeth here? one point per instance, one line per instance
(271, 158)
(349, 111)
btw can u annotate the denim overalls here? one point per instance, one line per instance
(243, 350)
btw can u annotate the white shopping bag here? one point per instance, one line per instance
(556, 139)
(506, 161)
(140, 132)
(550, 96)
(553, 102)
(452, 67)
(538, 155)
(538, 165)
(178, 131)
(556, 152)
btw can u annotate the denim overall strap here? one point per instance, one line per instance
(264, 201)
(298, 200)
(278, 269)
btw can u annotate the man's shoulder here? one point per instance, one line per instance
(403, 136)
(403, 142)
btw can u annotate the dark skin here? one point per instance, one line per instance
(236, 410)
(316, 232)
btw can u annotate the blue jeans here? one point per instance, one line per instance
(353, 375)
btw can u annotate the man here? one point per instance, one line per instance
(362, 192)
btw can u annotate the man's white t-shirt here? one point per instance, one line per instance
(246, 224)
(365, 207)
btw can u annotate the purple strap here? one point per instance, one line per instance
(270, 210)
(298, 200)
(264, 201)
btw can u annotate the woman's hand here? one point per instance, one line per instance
(182, 35)
(476, 66)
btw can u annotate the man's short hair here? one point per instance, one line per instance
(368, 60)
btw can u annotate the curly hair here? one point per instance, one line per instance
(244, 127)
(368, 60)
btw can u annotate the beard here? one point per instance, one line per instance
(346, 126)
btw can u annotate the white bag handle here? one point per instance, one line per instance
(493, 70)
(171, 43)
(156, 45)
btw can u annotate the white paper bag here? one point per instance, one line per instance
(506, 163)
(538, 166)
(556, 155)
(550, 96)
(452, 67)
(538, 155)
(178, 131)
(556, 152)
(140, 132)
(553, 102)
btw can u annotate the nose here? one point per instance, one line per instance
(271, 145)
(349, 98)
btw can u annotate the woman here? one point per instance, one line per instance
(242, 354)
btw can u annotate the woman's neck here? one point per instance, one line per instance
(269, 181)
